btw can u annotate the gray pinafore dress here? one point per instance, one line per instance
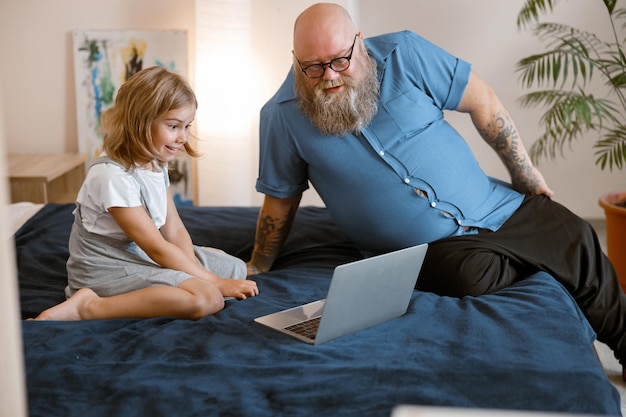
(112, 266)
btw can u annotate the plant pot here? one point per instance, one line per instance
(614, 205)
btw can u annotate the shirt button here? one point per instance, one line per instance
(433, 204)
(407, 180)
(381, 153)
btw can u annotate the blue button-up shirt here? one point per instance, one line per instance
(370, 181)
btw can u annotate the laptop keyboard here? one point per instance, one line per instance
(306, 328)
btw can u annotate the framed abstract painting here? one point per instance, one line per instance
(103, 61)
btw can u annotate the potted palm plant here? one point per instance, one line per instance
(562, 78)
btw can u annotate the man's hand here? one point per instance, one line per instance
(532, 182)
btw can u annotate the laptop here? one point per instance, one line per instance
(362, 294)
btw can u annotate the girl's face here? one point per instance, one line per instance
(170, 131)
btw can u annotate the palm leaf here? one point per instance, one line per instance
(531, 10)
(569, 49)
(570, 60)
(611, 150)
(568, 115)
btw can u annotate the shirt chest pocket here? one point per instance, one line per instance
(407, 114)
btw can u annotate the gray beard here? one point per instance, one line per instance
(346, 112)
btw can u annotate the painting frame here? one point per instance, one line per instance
(103, 61)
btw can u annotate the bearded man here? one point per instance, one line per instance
(362, 121)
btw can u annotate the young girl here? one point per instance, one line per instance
(130, 254)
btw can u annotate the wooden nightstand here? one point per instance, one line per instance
(46, 178)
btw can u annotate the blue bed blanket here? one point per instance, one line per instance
(527, 347)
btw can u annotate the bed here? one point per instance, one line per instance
(526, 347)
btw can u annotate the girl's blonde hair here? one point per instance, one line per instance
(140, 101)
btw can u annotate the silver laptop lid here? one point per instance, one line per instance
(361, 294)
(369, 292)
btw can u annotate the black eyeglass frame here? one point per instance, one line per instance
(331, 63)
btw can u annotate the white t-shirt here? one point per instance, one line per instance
(109, 185)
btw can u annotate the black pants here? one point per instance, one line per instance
(542, 235)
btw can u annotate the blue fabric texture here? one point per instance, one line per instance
(407, 145)
(527, 347)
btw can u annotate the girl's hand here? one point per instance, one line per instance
(238, 288)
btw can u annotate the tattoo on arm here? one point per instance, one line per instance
(272, 232)
(503, 137)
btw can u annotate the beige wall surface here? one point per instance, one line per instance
(38, 66)
(39, 94)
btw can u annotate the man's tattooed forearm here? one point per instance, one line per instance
(503, 137)
(272, 233)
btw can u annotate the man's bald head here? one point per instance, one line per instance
(322, 26)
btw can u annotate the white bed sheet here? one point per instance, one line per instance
(20, 212)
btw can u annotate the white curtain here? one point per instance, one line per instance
(242, 55)
(224, 83)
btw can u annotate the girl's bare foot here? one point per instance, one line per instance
(74, 308)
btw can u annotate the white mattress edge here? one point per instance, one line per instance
(19, 213)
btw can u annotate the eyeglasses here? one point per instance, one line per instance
(338, 64)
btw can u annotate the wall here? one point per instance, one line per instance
(40, 113)
(39, 94)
